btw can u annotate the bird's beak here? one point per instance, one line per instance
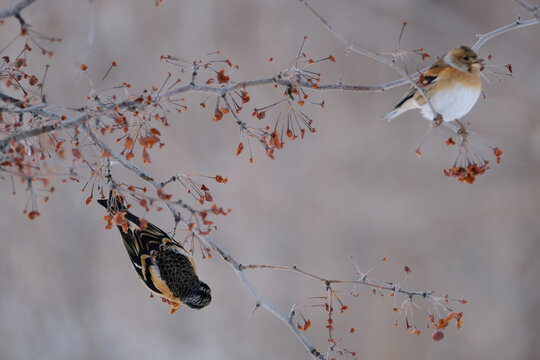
(479, 64)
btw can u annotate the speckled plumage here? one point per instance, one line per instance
(452, 85)
(162, 263)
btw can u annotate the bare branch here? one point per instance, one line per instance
(125, 163)
(43, 130)
(362, 281)
(91, 33)
(190, 88)
(235, 265)
(15, 9)
(490, 35)
(238, 269)
(533, 9)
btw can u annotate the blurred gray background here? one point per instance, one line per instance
(353, 188)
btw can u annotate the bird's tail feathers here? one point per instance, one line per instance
(152, 233)
(113, 203)
(392, 114)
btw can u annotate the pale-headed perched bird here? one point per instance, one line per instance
(452, 85)
(162, 263)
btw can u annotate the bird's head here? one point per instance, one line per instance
(464, 59)
(199, 297)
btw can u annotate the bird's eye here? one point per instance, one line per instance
(466, 58)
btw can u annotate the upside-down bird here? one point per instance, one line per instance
(162, 263)
(452, 85)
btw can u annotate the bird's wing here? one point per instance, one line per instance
(153, 277)
(428, 79)
(139, 244)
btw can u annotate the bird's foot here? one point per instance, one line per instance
(174, 305)
(462, 132)
(437, 121)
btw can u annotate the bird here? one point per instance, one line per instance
(452, 85)
(161, 262)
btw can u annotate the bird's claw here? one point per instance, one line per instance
(438, 120)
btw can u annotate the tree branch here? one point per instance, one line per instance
(362, 281)
(15, 9)
(261, 301)
(71, 123)
(235, 265)
(482, 38)
(532, 9)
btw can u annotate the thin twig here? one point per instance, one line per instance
(91, 33)
(361, 281)
(60, 125)
(191, 88)
(482, 38)
(238, 269)
(15, 9)
(532, 9)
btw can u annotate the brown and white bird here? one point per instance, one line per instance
(162, 263)
(452, 85)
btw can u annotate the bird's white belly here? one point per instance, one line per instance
(453, 103)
